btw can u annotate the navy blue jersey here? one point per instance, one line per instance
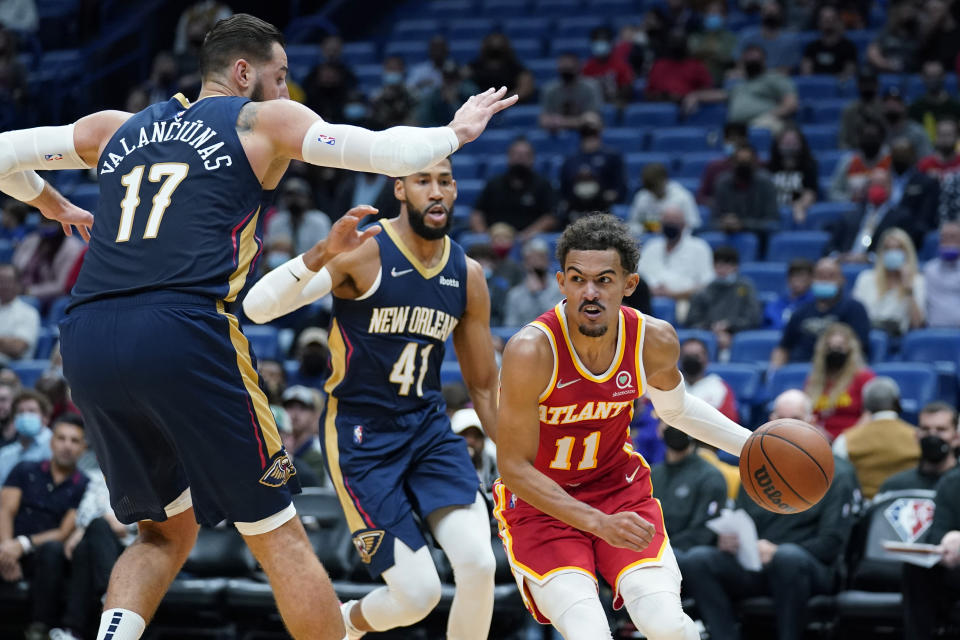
(180, 206)
(386, 349)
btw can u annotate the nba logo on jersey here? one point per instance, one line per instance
(513, 500)
(52, 157)
(330, 140)
(358, 434)
(910, 517)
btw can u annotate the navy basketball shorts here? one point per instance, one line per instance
(174, 411)
(388, 468)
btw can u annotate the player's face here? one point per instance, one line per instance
(594, 283)
(270, 80)
(67, 444)
(429, 196)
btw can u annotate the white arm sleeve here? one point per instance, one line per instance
(39, 149)
(397, 152)
(695, 417)
(285, 289)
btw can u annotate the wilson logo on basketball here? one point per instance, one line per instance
(765, 482)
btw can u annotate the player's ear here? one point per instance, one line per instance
(630, 285)
(399, 190)
(243, 73)
(561, 278)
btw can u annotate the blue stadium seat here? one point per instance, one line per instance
(463, 51)
(6, 251)
(467, 192)
(664, 308)
(579, 46)
(505, 333)
(680, 139)
(815, 87)
(557, 8)
(29, 371)
(543, 69)
(467, 167)
(760, 139)
(33, 301)
(450, 372)
(788, 245)
(767, 277)
(495, 142)
(303, 55)
(863, 37)
(626, 139)
(755, 346)
(291, 368)
(879, 345)
(744, 380)
(821, 137)
(423, 28)
(622, 211)
(518, 116)
(850, 272)
(931, 245)
(411, 51)
(612, 8)
(821, 214)
(512, 8)
(361, 52)
(526, 27)
(917, 381)
(527, 48)
(707, 115)
(636, 161)
(470, 239)
(470, 28)
(264, 340)
(704, 336)
(693, 164)
(61, 64)
(46, 338)
(825, 110)
(789, 376)
(650, 114)
(578, 26)
(86, 195)
(448, 9)
(545, 142)
(58, 309)
(745, 243)
(941, 348)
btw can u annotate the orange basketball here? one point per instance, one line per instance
(786, 466)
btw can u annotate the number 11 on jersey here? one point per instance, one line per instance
(565, 449)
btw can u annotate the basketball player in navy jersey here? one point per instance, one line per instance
(158, 365)
(388, 443)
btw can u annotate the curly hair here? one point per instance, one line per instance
(599, 232)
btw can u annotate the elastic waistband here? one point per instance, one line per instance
(150, 298)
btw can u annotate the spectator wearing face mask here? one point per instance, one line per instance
(658, 194)
(612, 72)
(777, 312)
(866, 108)
(593, 178)
(936, 433)
(734, 135)
(313, 354)
(393, 104)
(894, 291)
(716, 44)
(936, 103)
(676, 74)
(746, 198)
(675, 263)
(539, 289)
(794, 172)
(782, 54)
(832, 53)
(298, 222)
(728, 304)
(900, 126)
(830, 305)
(850, 178)
(565, 100)
(497, 65)
(31, 413)
(942, 275)
(944, 160)
(895, 49)
(837, 377)
(709, 387)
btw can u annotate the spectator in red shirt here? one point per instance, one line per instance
(677, 73)
(944, 159)
(709, 387)
(836, 380)
(613, 72)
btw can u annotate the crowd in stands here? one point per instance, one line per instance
(791, 170)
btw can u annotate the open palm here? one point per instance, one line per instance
(472, 117)
(344, 235)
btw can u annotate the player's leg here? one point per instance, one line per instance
(651, 595)
(715, 579)
(464, 535)
(305, 597)
(571, 603)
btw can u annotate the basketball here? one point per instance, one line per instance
(786, 466)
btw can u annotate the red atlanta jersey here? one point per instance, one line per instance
(585, 418)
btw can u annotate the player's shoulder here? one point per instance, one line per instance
(659, 335)
(528, 346)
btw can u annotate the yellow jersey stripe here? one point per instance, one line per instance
(422, 269)
(246, 251)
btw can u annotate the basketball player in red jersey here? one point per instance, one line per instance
(575, 499)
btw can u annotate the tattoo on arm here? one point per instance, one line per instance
(247, 120)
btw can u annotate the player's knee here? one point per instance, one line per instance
(660, 616)
(478, 567)
(418, 597)
(176, 535)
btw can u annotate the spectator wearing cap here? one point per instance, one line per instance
(466, 424)
(728, 304)
(866, 108)
(38, 504)
(313, 353)
(31, 414)
(657, 194)
(900, 126)
(776, 313)
(19, 320)
(303, 406)
(538, 291)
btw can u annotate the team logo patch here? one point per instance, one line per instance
(513, 501)
(279, 472)
(358, 434)
(910, 517)
(52, 157)
(624, 380)
(330, 140)
(367, 544)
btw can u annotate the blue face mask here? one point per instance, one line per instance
(729, 148)
(355, 111)
(28, 424)
(713, 22)
(824, 289)
(600, 48)
(392, 77)
(893, 259)
(730, 278)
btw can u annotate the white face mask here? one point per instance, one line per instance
(586, 189)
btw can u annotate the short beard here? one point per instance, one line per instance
(592, 332)
(256, 94)
(418, 223)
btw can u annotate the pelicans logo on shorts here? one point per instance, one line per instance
(367, 543)
(279, 472)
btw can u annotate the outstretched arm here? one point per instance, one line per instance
(670, 399)
(471, 341)
(526, 371)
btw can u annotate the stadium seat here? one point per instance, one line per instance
(917, 381)
(761, 139)
(821, 137)
(636, 161)
(578, 26)
(650, 114)
(264, 340)
(821, 214)
(578, 46)
(544, 70)
(495, 142)
(468, 167)
(463, 51)
(448, 9)
(931, 245)
(33, 301)
(743, 378)
(557, 8)
(767, 277)
(850, 272)
(704, 336)
(693, 164)
(625, 139)
(825, 110)
(664, 308)
(680, 139)
(745, 243)
(815, 87)
(450, 372)
(545, 142)
(6, 251)
(707, 115)
(361, 52)
(527, 48)
(754, 347)
(410, 50)
(505, 333)
(29, 371)
(470, 28)
(787, 245)
(468, 240)
(941, 348)
(46, 338)
(789, 376)
(612, 8)
(533, 27)
(467, 193)
(879, 345)
(303, 55)
(86, 195)
(58, 309)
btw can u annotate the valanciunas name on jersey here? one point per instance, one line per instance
(425, 321)
(580, 413)
(193, 133)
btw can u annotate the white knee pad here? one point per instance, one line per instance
(651, 596)
(412, 591)
(464, 535)
(571, 603)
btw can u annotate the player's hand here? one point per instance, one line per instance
(728, 542)
(11, 572)
(71, 544)
(10, 551)
(344, 235)
(54, 206)
(950, 545)
(626, 530)
(472, 117)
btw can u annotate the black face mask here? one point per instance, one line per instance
(893, 117)
(836, 359)
(520, 172)
(934, 449)
(900, 166)
(771, 22)
(313, 364)
(753, 68)
(676, 439)
(867, 95)
(870, 147)
(568, 75)
(671, 231)
(691, 365)
(743, 172)
(589, 131)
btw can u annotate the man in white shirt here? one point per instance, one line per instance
(674, 263)
(19, 320)
(658, 194)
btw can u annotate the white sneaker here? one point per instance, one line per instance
(62, 634)
(352, 632)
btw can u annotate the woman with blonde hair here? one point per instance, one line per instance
(894, 291)
(836, 380)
